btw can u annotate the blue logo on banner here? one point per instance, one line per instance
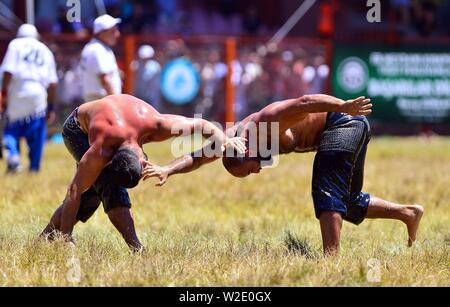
(180, 82)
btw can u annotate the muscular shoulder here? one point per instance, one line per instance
(129, 99)
(107, 131)
(126, 113)
(269, 113)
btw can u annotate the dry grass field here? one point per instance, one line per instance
(209, 229)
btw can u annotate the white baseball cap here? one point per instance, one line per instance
(105, 22)
(146, 52)
(27, 30)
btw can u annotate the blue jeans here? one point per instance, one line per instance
(34, 130)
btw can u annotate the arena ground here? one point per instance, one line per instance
(209, 229)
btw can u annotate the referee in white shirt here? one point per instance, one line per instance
(28, 93)
(100, 72)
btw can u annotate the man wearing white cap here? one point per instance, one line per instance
(100, 72)
(28, 94)
(148, 72)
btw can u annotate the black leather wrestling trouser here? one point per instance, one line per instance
(338, 171)
(112, 196)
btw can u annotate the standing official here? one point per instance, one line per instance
(100, 72)
(28, 93)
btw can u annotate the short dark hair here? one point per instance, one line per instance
(232, 160)
(231, 163)
(125, 169)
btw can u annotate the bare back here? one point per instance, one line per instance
(301, 136)
(119, 119)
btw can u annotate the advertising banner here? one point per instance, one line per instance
(406, 84)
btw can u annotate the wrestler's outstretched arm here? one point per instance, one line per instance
(174, 125)
(291, 111)
(179, 125)
(184, 164)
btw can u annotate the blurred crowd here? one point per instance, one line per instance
(402, 19)
(424, 18)
(150, 16)
(260, 75)
(177, 76)
(409, 18)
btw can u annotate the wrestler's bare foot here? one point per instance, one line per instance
(414, 215)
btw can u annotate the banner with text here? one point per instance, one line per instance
(406, 84)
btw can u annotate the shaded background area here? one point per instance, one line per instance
(408, 18)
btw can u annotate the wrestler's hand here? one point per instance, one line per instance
(358, 106)
(153, 170)
(237, 143)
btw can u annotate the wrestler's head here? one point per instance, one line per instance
(126, 166)
(242, 166)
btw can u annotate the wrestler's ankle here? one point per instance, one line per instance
(411, 213)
